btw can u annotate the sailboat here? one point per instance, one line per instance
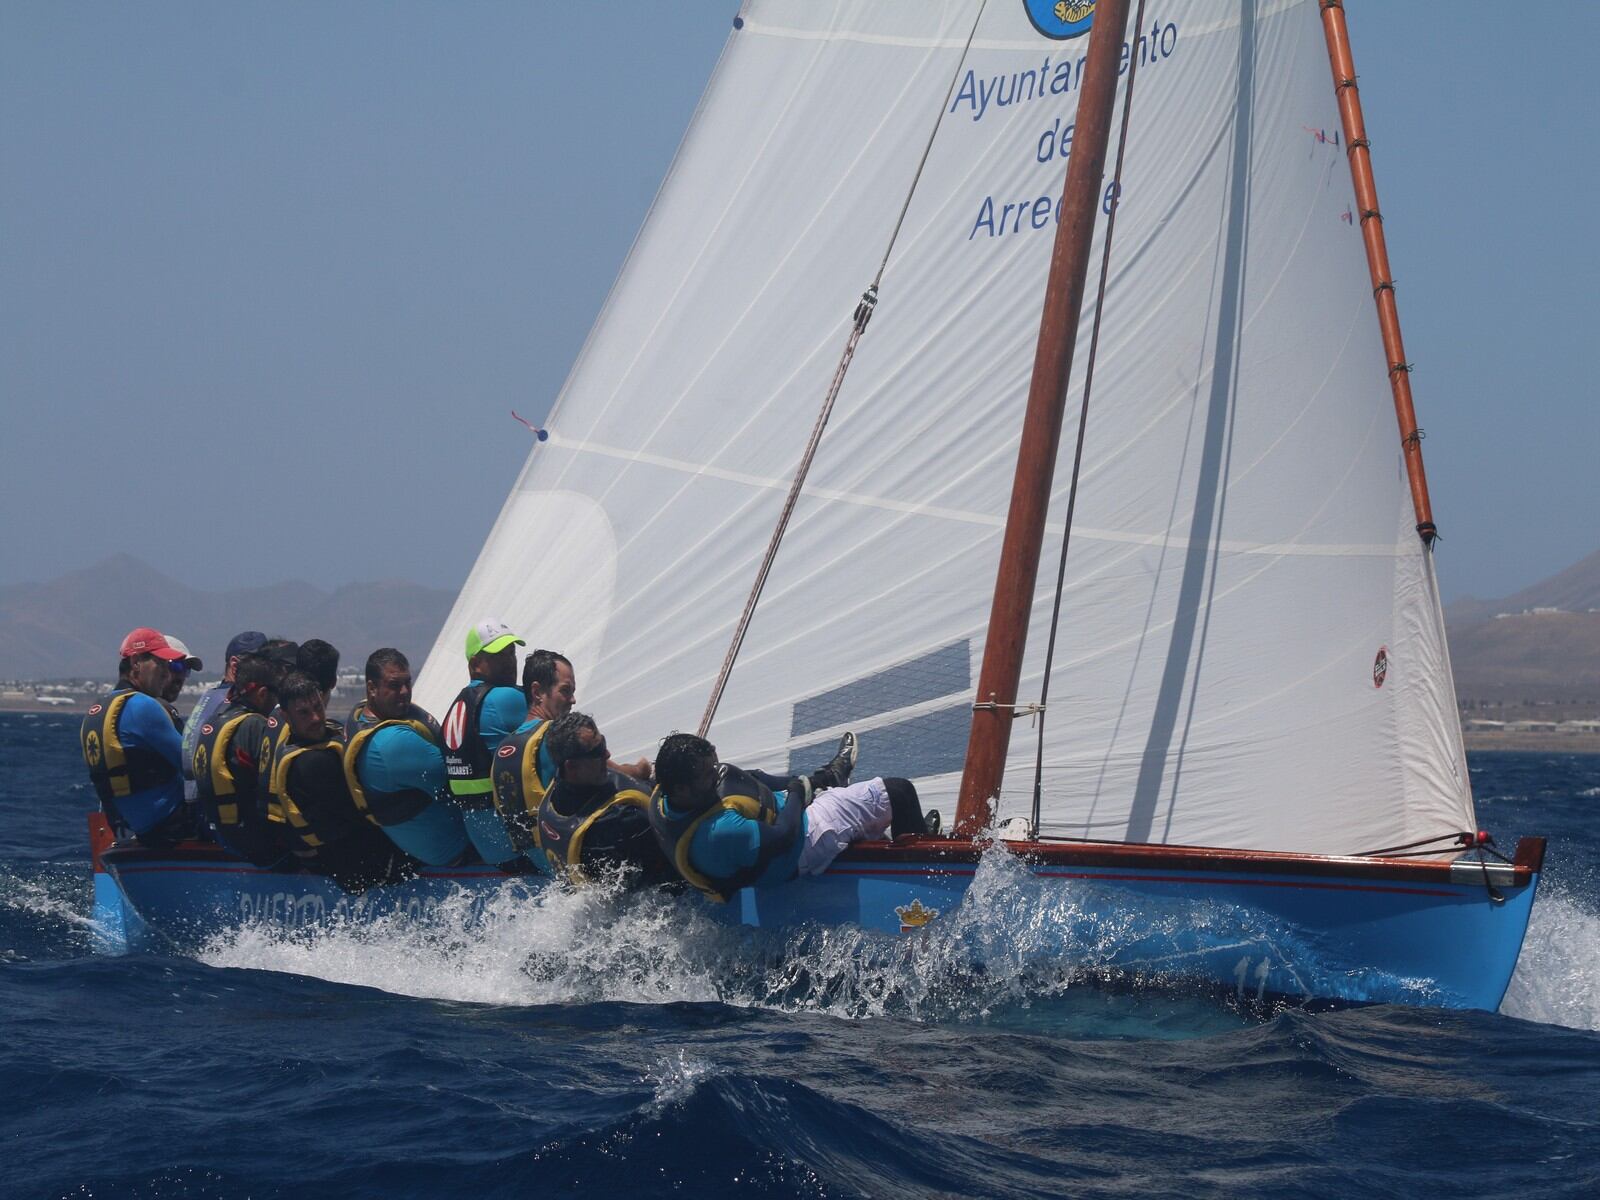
(1223, 724)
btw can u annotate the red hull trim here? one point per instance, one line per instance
(1528, 860)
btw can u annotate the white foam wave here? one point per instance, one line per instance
(1009, 945)
(547, 946)
(1557, 980)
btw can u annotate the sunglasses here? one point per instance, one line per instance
(179, 666)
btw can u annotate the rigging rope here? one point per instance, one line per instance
(1083, 420)
(858, 326)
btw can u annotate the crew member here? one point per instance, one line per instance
(181, 670)
(394, 768)
(594, 819)
(388, 678)
(725, 829)
(212, 700)
(522, 766)
(481, 716)
(319, 660)
(228, 757)
(331, 835)
(132, 746)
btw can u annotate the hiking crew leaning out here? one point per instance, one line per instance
(522, 765)
(132, 747)
(594, 820)
(481, 716)
(395, 770)
(725, 828)
(523, 768)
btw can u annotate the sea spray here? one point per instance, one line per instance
(675, 1079)
(1014, 942)
(524, 945)
(1557, 980)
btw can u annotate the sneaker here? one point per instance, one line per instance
(933, 821)
(844, 762)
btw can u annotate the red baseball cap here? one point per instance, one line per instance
(149, 641)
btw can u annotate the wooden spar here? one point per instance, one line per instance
(1360, 156)
(1041, 426)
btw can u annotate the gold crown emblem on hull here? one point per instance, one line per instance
(914, 915)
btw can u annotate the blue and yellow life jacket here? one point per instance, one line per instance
(519, 789)
(737, 792)
(220, 793)
(275, 741)
(384, 808)
(561, 836)
(115, 770)
(362, 716)
(466, 755)
(304, 820)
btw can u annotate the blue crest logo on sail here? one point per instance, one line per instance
(1061, 19)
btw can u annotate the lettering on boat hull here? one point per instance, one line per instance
(295, 910)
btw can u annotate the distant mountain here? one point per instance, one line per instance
(1575, 590)
(1505, 649)
(70, 627)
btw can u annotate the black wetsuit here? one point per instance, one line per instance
(603, 830)
(335, 838)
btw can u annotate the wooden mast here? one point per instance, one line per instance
(1041, 426)
(1360, 156)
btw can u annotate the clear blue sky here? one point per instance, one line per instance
(272, 274)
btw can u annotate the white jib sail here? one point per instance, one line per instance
(1251, 653)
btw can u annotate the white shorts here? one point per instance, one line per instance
(840, 816)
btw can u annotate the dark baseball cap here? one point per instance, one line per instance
(249, 642)
(281, 651)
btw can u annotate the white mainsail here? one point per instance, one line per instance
(1251, 653)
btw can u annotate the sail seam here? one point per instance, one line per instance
(967, 517)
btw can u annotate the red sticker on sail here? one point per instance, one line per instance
(1380, 666)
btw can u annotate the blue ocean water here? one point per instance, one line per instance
(592, 1046)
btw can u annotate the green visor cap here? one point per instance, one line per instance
(490, 637)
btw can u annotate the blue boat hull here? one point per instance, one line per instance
(1262, 927)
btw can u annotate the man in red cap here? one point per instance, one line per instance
(132, 744)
